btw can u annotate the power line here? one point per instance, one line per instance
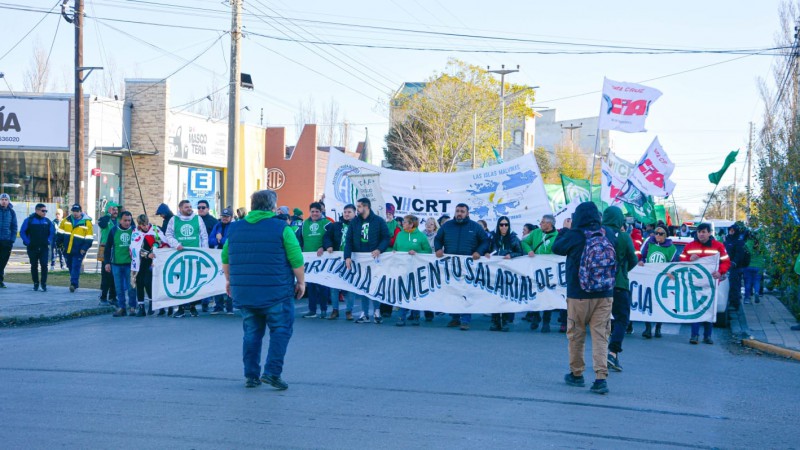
(31, 30)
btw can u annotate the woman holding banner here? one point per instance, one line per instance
(413, 241)
(657, 249)
(504, 243)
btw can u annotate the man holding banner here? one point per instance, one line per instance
(367, 233)
(263, 267)
(186, 230)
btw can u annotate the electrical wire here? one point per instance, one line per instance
(31, 30)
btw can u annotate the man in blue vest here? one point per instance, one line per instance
(263, 266)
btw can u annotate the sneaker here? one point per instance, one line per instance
(179, 314)
(2, 285)
(708, 341)
(647, 334)
(71, 287)
(252, 382)
(35, 287)
(629, 330)
(334, 315)
(545, 328)
(44, 288)
(758, 299)
(140, 312)
(348, 315)
(103, 303)
(747, 301)
(217, 312)
(323, 315)
(453, 323)
(229, 313)
(694, 340)
(310, 315)
(599, 387)
(193, 311)
(494, 326)
(400, 323)
(572, 380)
(613, 363)
(132, 312)
(505, 328)
(415, 322)
(464, 327)
(378, 319)
(363, 319)
(162, 312)
(275, 382)
(120, 312)
(658, 333)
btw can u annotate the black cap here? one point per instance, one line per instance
(227, 212)
(76, 207)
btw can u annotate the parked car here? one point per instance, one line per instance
(723, 286)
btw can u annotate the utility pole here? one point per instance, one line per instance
(503, 72)
(749, 173)
(233, 104)
(77, 21)
(734, 195)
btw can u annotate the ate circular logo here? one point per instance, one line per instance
(125, 238)
(275, 179)
(688, 294)
(342, 186)
(186, 271)
(186, 230)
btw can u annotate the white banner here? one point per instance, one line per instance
(673, 292)
(514, 189)
(369, 185)
(625, 106)
(34, 123)
(188, 275)
(651, 174)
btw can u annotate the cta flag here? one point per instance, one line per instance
(625, 106)
(651, 174)
(715, 177)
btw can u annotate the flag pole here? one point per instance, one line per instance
(711, 197)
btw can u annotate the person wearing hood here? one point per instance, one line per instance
(540, 242)
(367, 233)
(461, 236)
(704, 245)
(8, 233)
(37, 232)
(118, 262)
(412, 241)
(658, 249)
(614, 219)
(263, 266)
(78, 226)
(734, 245)
(333, 241)
(166, 215)
(191, 234)
(589, 298)
(504, 244)
(106, 224)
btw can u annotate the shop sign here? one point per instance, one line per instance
(38, 124)
(196, 140)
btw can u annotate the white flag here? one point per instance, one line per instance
(625, 106)
(652, 173)
(610, 186)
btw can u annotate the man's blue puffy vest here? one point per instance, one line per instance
(260, 272)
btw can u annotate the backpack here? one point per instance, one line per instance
(598, 268)
(746, 258)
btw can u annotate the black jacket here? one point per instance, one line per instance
(334, 235)
(570, 243)
(464, 238)
(511, 245)
(376, 231)
(734, 245)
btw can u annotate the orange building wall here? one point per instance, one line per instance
(301, 171)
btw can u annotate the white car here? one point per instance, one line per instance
(722, 288)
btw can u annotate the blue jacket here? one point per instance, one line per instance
(376, 231)
(8, 224)
(570, 243)
(218, 228)
(260, 273)
(463, 238)
(37, 231)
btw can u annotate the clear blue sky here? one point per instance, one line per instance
(702, 115)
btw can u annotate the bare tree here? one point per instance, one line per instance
(306, 114)
(38, 74)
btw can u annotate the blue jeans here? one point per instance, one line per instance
(464, 318)
(621, 310)
(752, 281)
(317, 297)
(707, 327)
(74, 264)
(365, 302)
(280, 319)
(349, 299)
(122, 282)
(404, 312)
(220, 300)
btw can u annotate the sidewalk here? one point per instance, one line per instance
(21, 305)
(770, 322)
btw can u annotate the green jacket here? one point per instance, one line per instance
(537, 236)
(626, 255)
(757, 259)
(416, 240)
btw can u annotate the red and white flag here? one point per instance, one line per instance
(651, 174)
(625, 106)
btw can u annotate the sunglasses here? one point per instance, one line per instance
(502, 224)
(202, 207)
(660, 233)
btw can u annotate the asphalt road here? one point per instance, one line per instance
(177, 383)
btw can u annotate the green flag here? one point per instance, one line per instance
(497, 156)
(715, 177)
(575, 189)
(661, 213)
(645, 213)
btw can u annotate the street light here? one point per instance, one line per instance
(502, 71)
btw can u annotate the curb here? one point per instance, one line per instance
(23, 321)
(773, 349)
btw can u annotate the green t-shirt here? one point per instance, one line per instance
(122, 244)
(187, 232)
(659, 254)
(313, 233)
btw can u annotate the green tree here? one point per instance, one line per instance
(432, 130)
(546, 165)
(571, 162)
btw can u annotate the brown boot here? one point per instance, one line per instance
(334, 315)
(348, 315)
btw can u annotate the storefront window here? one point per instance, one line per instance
(35, 176)
(108, 182)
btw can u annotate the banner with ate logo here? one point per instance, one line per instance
(676, 292)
